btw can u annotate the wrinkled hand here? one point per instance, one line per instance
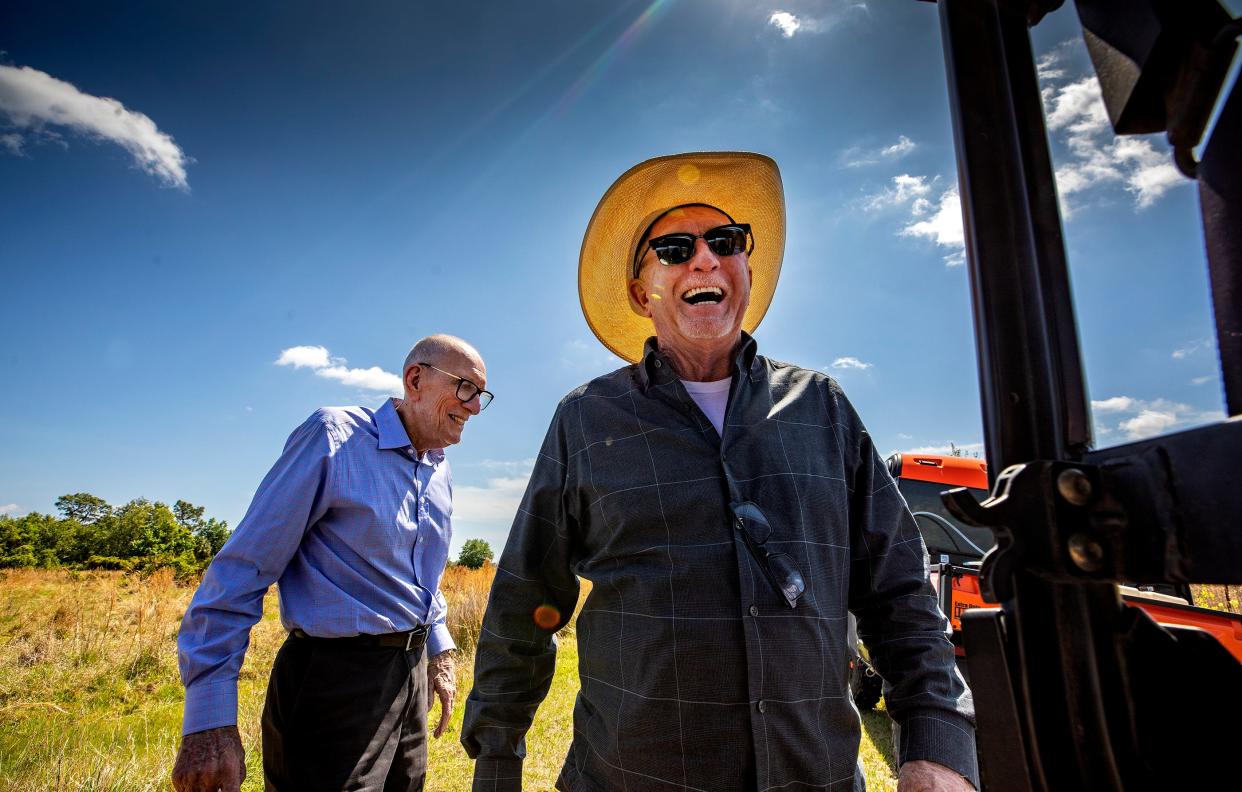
(921, 775)
(210, 761)
(442, 681)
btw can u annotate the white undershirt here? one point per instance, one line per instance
(712, 398)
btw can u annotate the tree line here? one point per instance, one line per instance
(90, 533)
(140, 536)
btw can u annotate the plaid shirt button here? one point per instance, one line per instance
(763, 706)
(754, 610)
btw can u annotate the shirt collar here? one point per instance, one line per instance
(392, 432)
(654, 367)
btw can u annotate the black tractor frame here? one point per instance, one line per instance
(1073, 689)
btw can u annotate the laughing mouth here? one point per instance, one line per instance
(703, 294)
(460, 421)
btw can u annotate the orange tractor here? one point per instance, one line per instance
(956, 551)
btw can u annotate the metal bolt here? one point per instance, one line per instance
(1074, 486)
(1086, 553)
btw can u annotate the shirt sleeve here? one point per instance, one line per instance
(533, 597)
(900, 621)
(215, 631)
(439, 640)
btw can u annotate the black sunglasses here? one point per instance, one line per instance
(466, 390)
(678, 248)
(778, 568)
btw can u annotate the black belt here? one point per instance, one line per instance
(409, 640)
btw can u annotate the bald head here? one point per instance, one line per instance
(440, 348)
(432, 374)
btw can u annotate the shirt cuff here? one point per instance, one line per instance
(209, 705)
(440, 640)
(945, 738)
(497, 775)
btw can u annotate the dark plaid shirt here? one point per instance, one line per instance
(695, 673)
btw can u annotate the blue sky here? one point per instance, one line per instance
(188, 191)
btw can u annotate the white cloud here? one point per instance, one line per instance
(789, 23)
(944, 227)
(372, 379)
(785, 22)
(905, 188)
(492, 506)
(1194, 347)
(902, 147)
(904, 436)
(495, 502)
(1148, 418)
(947, 448)
(858, 156)
(850, 363)
(1078, 107)
(1048, 66)
(1077, 118)
(1202, 380)
(304, 357)
(10, 509)
(13, 142)
(1115, 404)
(510, 466)
(1149, 423)
(32, 99)
(1151, 173)
(328, 367)
(939, 221)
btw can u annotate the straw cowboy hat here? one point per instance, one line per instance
(747, 187)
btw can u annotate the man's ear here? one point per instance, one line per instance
(412, 378)
(639, 297)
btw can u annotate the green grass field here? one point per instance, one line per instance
(90, 697)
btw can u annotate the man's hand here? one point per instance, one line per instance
(442, 680)
(921, 775)
(209, 761)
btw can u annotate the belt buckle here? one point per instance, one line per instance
(409, 639)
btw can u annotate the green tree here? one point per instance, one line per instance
(210, 533)
(83, 507)
(474, 553)
(150, 529)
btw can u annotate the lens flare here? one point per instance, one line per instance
(547, 617)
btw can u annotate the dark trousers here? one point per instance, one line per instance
(341, 716)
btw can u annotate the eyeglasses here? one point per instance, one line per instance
(678, 248)
(466, 390)
(778, 568)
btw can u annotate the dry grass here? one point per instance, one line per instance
(1223, 598)
(90, 697)
(466, 592)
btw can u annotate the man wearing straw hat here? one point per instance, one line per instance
(729, 510)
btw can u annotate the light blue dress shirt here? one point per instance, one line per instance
(354, 529)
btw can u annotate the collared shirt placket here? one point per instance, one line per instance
(421, 478)
(666, 387)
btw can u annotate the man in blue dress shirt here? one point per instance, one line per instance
(353, 522)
